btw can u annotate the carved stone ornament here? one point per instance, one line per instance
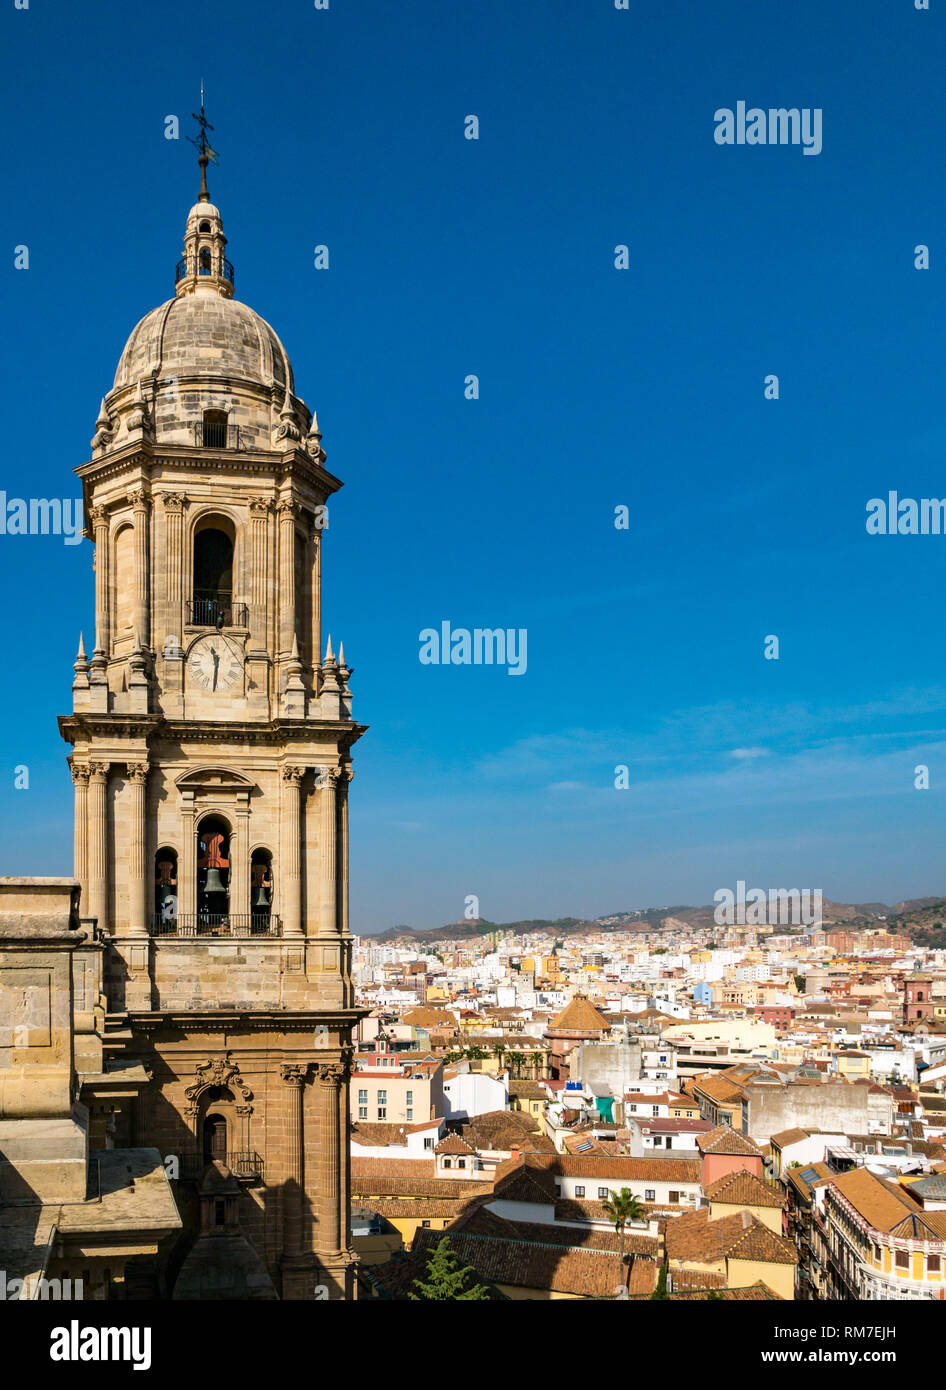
(219, 1071)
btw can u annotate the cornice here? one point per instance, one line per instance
(187, 457)
(255, 1020)
(285, 732)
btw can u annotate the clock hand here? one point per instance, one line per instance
(216, 659)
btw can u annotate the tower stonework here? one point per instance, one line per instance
(211, 759)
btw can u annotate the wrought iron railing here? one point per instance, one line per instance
(181, 271)
(218, 924)
(217, 610)
(242, 1165)
(217, 434)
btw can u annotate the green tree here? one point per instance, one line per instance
(660, 1291)
(446, 1280)
(620, 1208)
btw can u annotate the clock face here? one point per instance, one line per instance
(215, 663)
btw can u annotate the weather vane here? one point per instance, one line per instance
(202, 144)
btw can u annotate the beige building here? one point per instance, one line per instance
(211, 755)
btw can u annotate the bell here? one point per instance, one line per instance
(214, 883)
(262, 898)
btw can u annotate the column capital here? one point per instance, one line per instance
(99, 515)
(260, 507)
(293, 774)
(137, 773)
(294, 1075)
(99, 771)
(173, 501)
(140, 498)
(80, 772)
(334, 1073)
(288, 508)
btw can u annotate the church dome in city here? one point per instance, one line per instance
(203, 368)
(204, 334)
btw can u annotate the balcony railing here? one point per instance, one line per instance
(247, 1165)
(217, 610)
(181, 271)
(217, 434)
(218, 924)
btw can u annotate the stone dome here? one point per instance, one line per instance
(204, 334)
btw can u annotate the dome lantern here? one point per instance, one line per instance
(204, 267)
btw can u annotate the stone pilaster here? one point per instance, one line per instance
(287, 510)
(332, 1245)
(290, 885)
(240, 858)
(139, 879)
(141, 514)
(260, 509)
(328, 883)
(187, 866)
(98, 843)
(298, 1265)
(315, 600)
(80, 841)
(174, 563)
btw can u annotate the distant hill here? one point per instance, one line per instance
(926, 916)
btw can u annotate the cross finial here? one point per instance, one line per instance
(202, 144)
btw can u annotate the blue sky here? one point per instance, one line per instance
(598, 388)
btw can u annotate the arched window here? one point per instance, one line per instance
(261, 889)
(165, 890)
(215, 1139)
(204, 227)
(214, 434)
(213, 577)
(213, 873)
(203, 262)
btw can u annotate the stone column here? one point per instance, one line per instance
(140, 894)
(328, 888)
(315, 600)
(329, 1077)
(344, 782)
(174, 563)
(290, 858)
(80, 856)
(98, 843)
(187, 863)
(287, 511)
(293, 1214)
(141, 507)
(102, 635)
(240, 859)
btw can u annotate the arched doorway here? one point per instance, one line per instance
(215, 1139)
(213, 872)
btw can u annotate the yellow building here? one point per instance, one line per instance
(883, 1243)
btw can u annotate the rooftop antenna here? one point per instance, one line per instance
(201, 144)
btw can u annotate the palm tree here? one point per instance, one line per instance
(620, 1208)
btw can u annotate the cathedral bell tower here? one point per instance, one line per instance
(211, 739)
